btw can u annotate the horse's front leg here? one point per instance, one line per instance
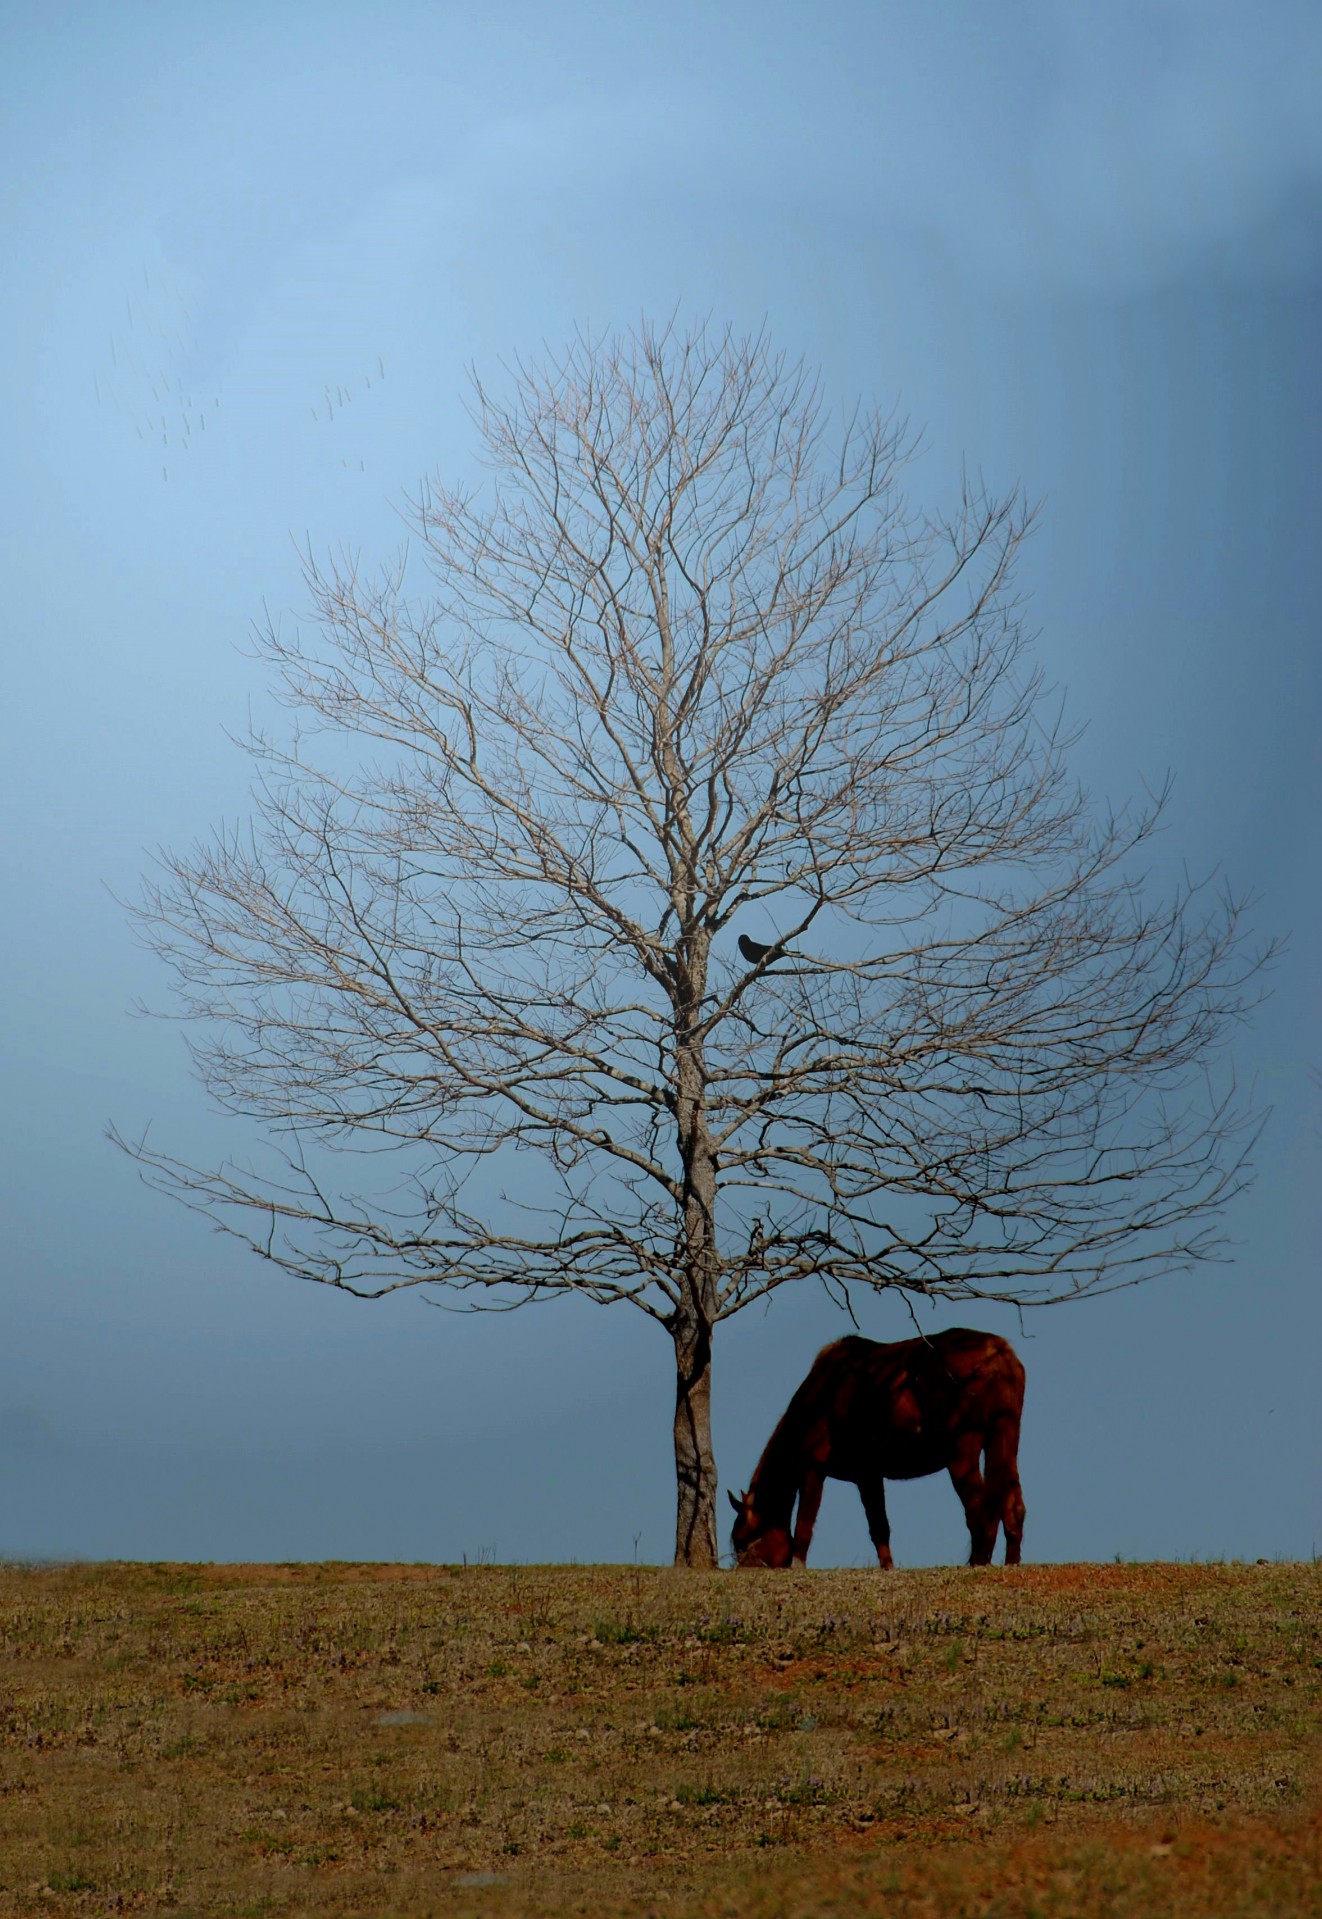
(810, 1498)
(873, 1494)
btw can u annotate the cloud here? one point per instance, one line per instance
(1179, 133)
(1047, 145)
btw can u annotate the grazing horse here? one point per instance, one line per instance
(869, 1413)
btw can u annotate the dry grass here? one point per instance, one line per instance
(502, 1740)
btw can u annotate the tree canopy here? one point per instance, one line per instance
(702, 831)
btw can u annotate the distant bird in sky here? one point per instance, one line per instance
(754, 952)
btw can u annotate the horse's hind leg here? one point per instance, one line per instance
(1004, 1494)
(982, 1517)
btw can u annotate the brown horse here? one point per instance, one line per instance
(869, 1413)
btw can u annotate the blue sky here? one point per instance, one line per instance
(250, 254)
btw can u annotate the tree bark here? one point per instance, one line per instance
(695, 1462)
(695, 1315)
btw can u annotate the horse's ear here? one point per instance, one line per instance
(738, 1504)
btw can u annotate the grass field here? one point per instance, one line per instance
(1054, 1740)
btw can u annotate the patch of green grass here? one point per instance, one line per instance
(612, 1633)
(71, 1880)
(675, 1719)
(705, 1795)
(372, 1799)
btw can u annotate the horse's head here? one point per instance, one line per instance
(757, 1541)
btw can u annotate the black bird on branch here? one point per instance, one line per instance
(754, 952)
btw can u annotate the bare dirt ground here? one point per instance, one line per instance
(1027, 1744)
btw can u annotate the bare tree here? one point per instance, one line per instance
(691, 659)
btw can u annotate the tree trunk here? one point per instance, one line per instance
(695, 1312)
(695, 1463)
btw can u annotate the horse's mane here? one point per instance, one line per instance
(779, 1472)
